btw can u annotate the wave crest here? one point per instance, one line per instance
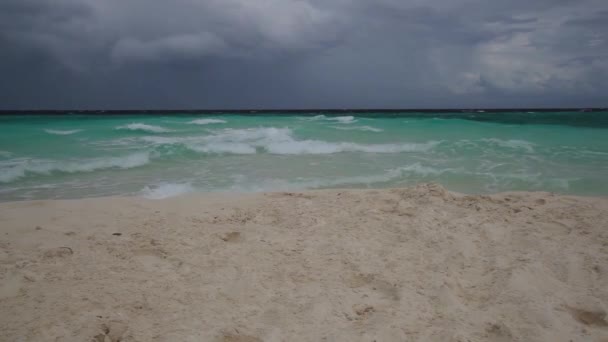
(322, 147)
(62, 132)
(166, 190)
(12, 170)
(206, 121)
(247, 185)
(359, 128)
(136, 126)
(339, 119)
(280, 141)
(513, 143)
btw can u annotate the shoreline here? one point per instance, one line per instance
(223, 194)
(419, 263)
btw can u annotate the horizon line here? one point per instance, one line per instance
(312, 110)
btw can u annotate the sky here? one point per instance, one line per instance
(277, 54)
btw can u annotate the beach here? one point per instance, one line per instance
(398, 264)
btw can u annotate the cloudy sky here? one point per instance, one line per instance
(302, 54)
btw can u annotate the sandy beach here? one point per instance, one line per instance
(417, 264)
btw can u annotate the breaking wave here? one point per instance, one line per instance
(166, 190)
(280, 141)
(144, 128)
(246, 185)
(322, 147)
(62, 132)
(339, 119)
(513, 143)
(494, 142)
(223, 148)
(359, 128)
(14, 169)
(206, 121)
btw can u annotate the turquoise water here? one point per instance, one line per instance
(44, 157)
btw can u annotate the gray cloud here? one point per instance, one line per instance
(307, 53)
(176, 47)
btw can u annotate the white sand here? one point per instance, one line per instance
(415, 264)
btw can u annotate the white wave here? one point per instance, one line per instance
(14, 169)
(204, 144)
(206, 121)
(157, 140)
(513, 143)
(246, 185)
(233, 148)
(239, 141)
(10, 174)
(340, 119)
(279, 141)
(166, 190)
(233, 141)
(599, 153)
(144, 128)
(359, 128)
(253, 134)
(5, 154)
(62, 132)
(343, 119)
(422, 170)
(322, 147)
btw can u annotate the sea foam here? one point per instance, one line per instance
(359, 128)
(166, 190)
(206, 121)
(249, 185)
(17, 168)
(340, 119)
(280, 141)
(513, 143)
(144, 128)
(323, 147)
(62, 132)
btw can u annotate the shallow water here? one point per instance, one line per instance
(70, 156)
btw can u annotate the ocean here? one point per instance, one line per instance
(155, 156)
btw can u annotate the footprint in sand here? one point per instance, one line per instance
(10, 285)
(363, 311)
(587, 317)
(113, 331)
(153, 259)
(372, 282)
(231, 237)
(499, 332)
(57, 253)
(229, 337)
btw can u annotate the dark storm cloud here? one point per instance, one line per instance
(595, 21)
(308, 53)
